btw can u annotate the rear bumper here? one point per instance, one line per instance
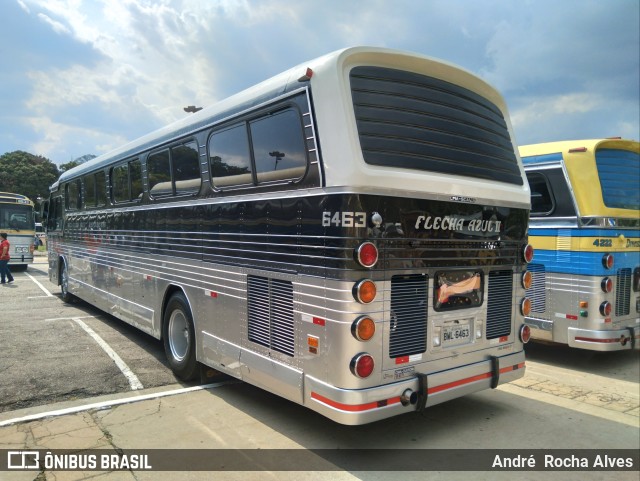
(363, 406)
(618, 340)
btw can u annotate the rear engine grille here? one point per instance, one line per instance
(408, 120)
(623, 292)
(270, 313)
(537, 292)
(408, 329)
(499, 304)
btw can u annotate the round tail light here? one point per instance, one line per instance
(362, 365)
(527, 279)
(605, 308)
(525, 306)
(607, 261)
(363, 328)
(527, 253)
(525, 333)
(366, 254)
(365, 291)
(606, 285)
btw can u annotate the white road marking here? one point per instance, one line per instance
(134, 382)
(111, 403)
(68, 318)
(46, 291)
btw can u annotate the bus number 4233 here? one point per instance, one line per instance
(344, 219)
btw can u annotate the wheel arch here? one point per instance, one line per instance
(169, 292)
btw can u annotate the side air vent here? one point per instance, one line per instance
(623, 292)
(499, 304)
(408, 324)
(270, 313)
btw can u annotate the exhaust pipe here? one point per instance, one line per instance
(409, 397)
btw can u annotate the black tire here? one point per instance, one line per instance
(64, 283)
(178, 336)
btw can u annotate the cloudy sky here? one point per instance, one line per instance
(85, 76)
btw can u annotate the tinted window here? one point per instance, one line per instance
(120, 183)
(159, 171)
(135, 176)
(229, 157)
(186, 168)
(89, 191)
(73, 195)
(278, 146)
(541, 197)
(101, 189)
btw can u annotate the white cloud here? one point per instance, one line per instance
(56, 26)
(545, 109)
(53, 133)
(142, 61)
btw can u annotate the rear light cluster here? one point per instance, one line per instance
(364, 327)
(607, 261)
(527, 282)
(605, 308)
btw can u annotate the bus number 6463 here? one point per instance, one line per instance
(344, 219)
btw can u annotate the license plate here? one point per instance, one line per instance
(456, 334)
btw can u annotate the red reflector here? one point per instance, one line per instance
(527, 253)
(367, 254)
(525, 334)
(362, 365)
(606, 285)
(402, 360)
(605, 308)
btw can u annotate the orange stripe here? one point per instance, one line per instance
(395, 400)
(355, 407)
(610, 340)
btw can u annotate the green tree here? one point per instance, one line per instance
(27, 174)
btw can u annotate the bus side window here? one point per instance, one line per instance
(186, 168)
(54, 218)
(229, 157)
(159, 172)
(89, 191)
(135, 178)
(73, 199)
(279, 146)
(542, 201)
(101, 189)
(120, 183)
(126, 182)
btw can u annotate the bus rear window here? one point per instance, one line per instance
(411, 121)
(619, 171)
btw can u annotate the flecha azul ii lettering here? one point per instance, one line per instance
(457, 224)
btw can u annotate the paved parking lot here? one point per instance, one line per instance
(62, 389)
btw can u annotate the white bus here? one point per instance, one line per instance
(17, 221)
(350, 234)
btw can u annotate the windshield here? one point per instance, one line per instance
(16, 217)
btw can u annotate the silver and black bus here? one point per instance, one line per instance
(350, 235)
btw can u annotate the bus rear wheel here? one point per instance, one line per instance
(64, 283)
(178, 335)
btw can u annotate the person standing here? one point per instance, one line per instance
(5, 273)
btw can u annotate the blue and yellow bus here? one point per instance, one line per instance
(584, 228)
